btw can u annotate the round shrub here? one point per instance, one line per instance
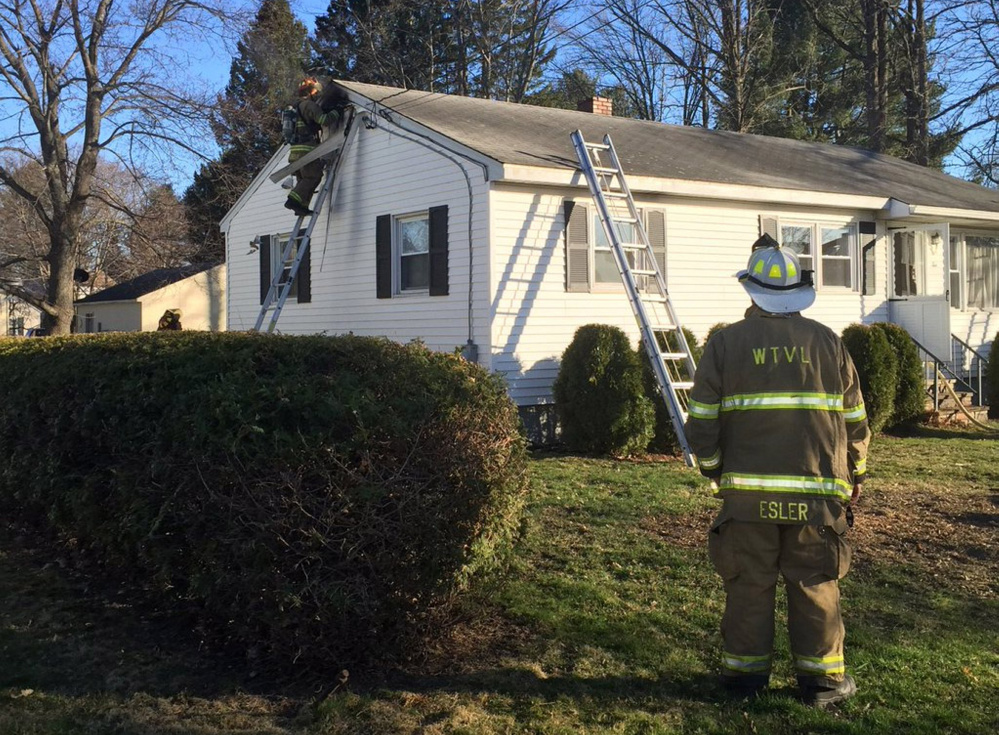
(321, 499)
(992, 376)
(599, 396)
(910, 389)
(878, 369)
(664, 437)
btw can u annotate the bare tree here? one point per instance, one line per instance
(86, 80)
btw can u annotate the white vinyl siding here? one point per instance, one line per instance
(383, 174)
(535, 317)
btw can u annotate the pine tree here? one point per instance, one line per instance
(269, 64)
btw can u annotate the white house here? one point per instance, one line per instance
(137, 305)
(464, 223)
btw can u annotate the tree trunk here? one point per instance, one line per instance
(875, 71)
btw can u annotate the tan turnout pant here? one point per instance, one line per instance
(749, 556)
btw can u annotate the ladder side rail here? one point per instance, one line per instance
(666, 383)
(276, 285)
(304, 240)
(660, 277)
(596, 181)
(328, 192)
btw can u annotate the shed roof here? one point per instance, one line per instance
(539, 136)
(146, 283)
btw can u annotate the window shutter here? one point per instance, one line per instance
(868, 240)
(383, 256)
(656, 220)
(265, 266)
(577, 247)
(438, 251)
(304, 276)
(768, 226)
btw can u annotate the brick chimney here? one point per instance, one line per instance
(596, 105)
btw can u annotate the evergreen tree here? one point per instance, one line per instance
(269, 64)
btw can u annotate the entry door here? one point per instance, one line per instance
(920, 280)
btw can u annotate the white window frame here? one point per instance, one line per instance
(816, 226)
(596, 232)
(398, 221)
(962, 250)
(955, 266)
(278, 243)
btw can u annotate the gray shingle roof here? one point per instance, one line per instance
(539, 136)
(145, 284)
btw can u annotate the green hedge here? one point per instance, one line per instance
(599, 396)
(322, 499)
(878, 368)
(664, 437)
(910, 388)
(992, 375)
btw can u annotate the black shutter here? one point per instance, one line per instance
(304, 277)
(868, 242)
(383, 256)
(657, 237)
(438, 251)
(265, 266)
(577, 247)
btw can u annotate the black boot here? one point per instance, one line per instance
(745, 685)
(297, 207)
(822, 692)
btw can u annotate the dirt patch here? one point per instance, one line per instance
(953, 538)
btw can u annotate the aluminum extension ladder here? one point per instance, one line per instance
(662, 334)
(279, 289)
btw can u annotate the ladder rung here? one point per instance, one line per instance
(605, 170)
(634, 246)
(673, 355)
(642, 272)
(616, 194)
(682, 384)
(655, 299)
(597, 146)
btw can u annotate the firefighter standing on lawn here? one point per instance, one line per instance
(777, 420)
(312, 118)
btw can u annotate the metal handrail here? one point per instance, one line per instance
(941, 367)
(982, 360)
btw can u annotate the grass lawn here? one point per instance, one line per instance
(607, 623)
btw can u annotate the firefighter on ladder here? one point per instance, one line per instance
(777, 420)
(315, 112)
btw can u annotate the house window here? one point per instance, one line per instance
(411, 253)
(88, 322)
(281, 264)
(412, 238)
(15, 327)
(272, 261)
(982, 261)
(830, 251)
(590, 261)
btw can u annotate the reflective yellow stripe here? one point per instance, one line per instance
(699, 410)
(767, 401)
(710, 463)
(821, 486)
(861, 467)
(825, 665)
(744, 664)
(855, 413)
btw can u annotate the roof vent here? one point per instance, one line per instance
(596, 105)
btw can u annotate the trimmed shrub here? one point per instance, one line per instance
(321, 499)
(878, 368)
(664, 437)
(599, 395)
(992, 376)
(910, 389)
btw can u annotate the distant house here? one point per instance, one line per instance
(137, 305)
(465, 223)
(18, 316)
